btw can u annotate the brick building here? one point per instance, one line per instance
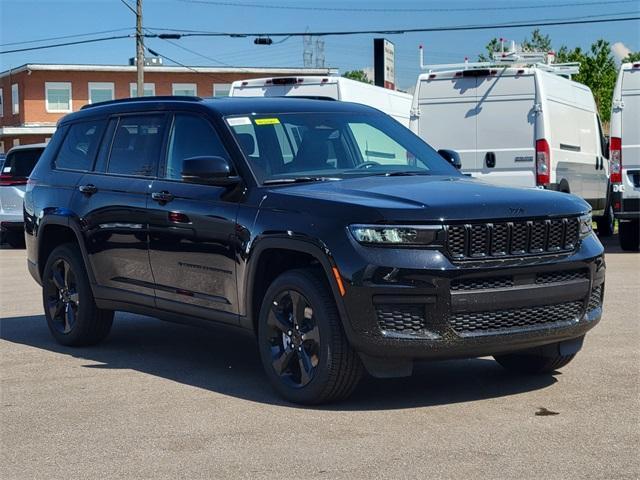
(34, 97)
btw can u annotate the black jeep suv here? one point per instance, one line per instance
(331, 231)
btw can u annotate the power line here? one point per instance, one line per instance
(62, 37)
(79, 42)
(403, 10)
(126, 4)
(450, 28)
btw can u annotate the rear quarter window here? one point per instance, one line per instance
(79, 147)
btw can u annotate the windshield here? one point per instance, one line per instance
(322, 146)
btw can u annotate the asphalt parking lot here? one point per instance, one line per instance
(159, 400)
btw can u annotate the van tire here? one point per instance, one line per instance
(338, 367)
(629, 235)
(70, 309)
(605, 223)
(533, 364)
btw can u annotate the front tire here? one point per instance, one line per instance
(70, 309)
(533, 364)
(15, 239)
(629, 235)
(303, 348)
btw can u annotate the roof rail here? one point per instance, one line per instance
(180, 98)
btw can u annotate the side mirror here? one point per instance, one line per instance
(208, 171)
(452, 157)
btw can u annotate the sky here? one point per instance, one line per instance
(25, 20)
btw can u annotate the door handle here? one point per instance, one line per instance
(89, 189)
(490, 159)
(162, 197)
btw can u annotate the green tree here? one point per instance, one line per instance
(536, 43)
(632, 57)
(359, 75)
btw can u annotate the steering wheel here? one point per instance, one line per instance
(367, 164)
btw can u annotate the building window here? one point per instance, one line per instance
(58, 97)
(101, 92)
(184, 89)
(221, 89)
(1, 103)
(149, 89)
(15, 99)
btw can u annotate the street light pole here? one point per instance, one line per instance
(139, 49)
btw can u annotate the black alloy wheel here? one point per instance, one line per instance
(303, 347)
(70, 309)
(62, 297)
(294, 338)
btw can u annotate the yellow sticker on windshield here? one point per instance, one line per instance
(267, 121)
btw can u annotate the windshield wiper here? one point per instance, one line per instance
(402, 173)
(275, 181)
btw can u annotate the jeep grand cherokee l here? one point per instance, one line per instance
(331, 231)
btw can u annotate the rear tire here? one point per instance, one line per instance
(70, 309)
(606, 223)
(629, 235)
(533, 364)
(299, 327)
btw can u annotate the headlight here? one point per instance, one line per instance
(585, 225)
(421, 235)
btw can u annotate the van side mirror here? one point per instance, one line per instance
(452, 157)
(208, 171)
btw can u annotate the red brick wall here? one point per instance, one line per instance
(32, 89)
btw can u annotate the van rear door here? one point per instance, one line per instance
(447, 118)
(631, 119)
(505, 120)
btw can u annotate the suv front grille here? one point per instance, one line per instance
(503, 320)
(595, 299)
(407, 318)
(560, 276)
(511, 239)
(482, 283)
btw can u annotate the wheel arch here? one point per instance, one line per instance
(55, 230)
(272, 256)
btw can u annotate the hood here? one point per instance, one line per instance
(436, 198)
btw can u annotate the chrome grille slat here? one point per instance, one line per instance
(512, 239)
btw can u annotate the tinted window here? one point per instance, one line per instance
(136, 145)
(191, 136)
(20, 163)
(80, 145)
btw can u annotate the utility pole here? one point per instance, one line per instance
(139, 49)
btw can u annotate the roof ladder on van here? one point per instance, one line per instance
(514, 56)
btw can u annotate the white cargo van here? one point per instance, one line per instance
(393, 103)
(515, 125)
(624, 154)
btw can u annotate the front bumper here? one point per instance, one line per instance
(445, 309)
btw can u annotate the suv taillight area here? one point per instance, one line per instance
(615, 160)
(8, 180)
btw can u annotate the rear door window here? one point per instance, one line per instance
(137, 145)
(79, 147)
